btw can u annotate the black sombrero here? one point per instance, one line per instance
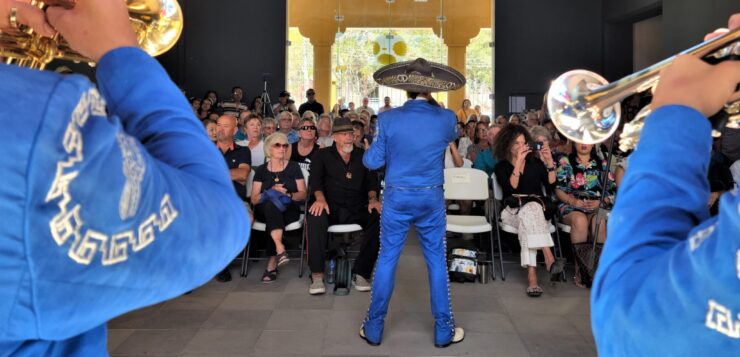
(420, 76)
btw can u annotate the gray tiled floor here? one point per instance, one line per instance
(247, 318)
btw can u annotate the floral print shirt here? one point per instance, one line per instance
(583, 181)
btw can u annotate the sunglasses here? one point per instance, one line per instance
(310, 93)
(308, 127)
(279, 145)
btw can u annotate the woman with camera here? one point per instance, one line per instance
(579, 188)
(522, 176)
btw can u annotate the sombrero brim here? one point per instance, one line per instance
(442, 78)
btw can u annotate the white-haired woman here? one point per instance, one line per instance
(278, 186)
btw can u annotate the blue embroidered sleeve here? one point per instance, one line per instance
(665, 285)
(375, 156)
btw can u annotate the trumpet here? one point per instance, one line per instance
(586, 108)
(157, 24)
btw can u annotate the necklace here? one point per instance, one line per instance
(276, 174)
(347, 172)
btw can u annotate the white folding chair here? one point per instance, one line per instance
(469, 184)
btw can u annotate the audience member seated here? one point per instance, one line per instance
(386, 105)
(452, 157)
(522, 177)
(324, 131)
(283, 104)
(213, 116)
(579, 187)
(311, 104)
(257, 106)
(515, 119)
(268, 127)
(344, 192)
(358, 133)
(463, 141)
(484, 119)
(241, 136)
(253, 132)
(195, 104)
(278, 187)
(532, 120)
(210, 126)
(365, 102)
(477, 109)
(501, 120)
(480, 143)
(234, 106)
(465, 111)
(485, 160)
(305, 148)
(239, 161)
(205, 109)
(286, 126)
(213, 96)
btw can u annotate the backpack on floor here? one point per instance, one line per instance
(463, 265)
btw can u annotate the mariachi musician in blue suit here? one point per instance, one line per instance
(410, 143)
(112, 199)
(668, 282)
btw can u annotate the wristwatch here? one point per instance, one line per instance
(551, 169)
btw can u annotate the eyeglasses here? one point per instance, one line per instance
(279, 145)
(308, 127)
(310, 93)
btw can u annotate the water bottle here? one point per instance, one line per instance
(332, 271)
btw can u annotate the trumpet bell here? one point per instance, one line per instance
(574, 117)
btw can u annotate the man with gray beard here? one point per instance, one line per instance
(343, 192)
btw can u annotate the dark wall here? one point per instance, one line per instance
(226, 43)
(537, 40)
(685, 22)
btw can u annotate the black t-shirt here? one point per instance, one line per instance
(315, 107)
(235, 157)
(286, 177)
(530, 182)
(303, 161)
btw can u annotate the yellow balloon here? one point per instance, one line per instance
(400, 48)
(386, 58)
(376, 48)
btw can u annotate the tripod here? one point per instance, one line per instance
(266, 103)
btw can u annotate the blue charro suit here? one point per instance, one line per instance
(665, 285)
(104, 212)
(410, 144)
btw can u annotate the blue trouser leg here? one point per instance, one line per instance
(430, 227)
(394, 226)
(424, 208)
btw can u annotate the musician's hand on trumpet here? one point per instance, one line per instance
(94, 27)
(14, 13)
(692, 82)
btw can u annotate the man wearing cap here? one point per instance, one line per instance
(345, 192)
(414, 174)
(283, 104)
(311, 104)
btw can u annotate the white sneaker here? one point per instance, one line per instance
(317, 286)
(361, 284)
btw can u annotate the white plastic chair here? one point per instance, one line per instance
(469, 184)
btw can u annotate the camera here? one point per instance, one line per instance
(536, 145)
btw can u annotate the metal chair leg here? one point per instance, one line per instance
(245, 261)
(304, 242)
(493, 256)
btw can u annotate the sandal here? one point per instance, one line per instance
(269, 276)
(534, 291)
(282, 258)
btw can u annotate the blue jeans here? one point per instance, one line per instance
(424, 208)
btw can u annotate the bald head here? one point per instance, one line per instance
(225, 128)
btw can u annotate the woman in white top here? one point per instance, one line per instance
(253, 132)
